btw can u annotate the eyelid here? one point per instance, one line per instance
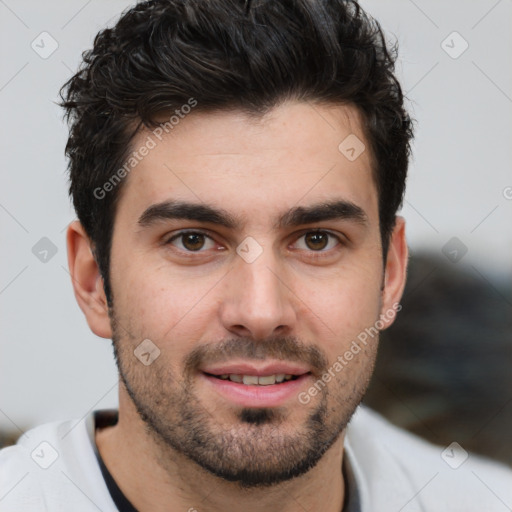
(297, 236)
(338, 238)
(177, 235)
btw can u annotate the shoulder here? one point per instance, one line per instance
(416, 475)
(21, 469)
(52, 467)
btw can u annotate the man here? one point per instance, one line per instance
(236, 169)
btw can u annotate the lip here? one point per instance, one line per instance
(243, 395)
(243, 368)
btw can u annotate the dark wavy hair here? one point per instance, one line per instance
(228, 54)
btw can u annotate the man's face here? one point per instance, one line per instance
(288, 300)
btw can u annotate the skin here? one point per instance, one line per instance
(296, 299)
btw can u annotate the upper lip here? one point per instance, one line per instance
(242, 368)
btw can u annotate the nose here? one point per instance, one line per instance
(258, 300)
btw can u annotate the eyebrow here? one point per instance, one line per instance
(327, 210)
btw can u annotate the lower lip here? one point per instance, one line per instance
(257, 396)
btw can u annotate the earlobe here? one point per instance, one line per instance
(87, 281)
(395, 273)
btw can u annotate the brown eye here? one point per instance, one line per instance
(191, 241)
(317, 240)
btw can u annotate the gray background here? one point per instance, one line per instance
(460, 184)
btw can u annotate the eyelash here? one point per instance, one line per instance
(314, 254)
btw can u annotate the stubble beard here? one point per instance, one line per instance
(259, 449)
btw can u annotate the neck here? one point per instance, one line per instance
(152, 475)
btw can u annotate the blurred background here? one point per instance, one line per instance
(443, 369)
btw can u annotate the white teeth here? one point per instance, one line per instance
(255, 380)
(268, 379)
(250, 379)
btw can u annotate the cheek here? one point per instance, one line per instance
(343, 304)
(161, 305)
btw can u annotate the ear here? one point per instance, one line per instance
(394, 274)
(87, 281)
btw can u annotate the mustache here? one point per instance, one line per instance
(284, 348)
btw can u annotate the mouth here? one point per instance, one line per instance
(250, 386)
(256, 380)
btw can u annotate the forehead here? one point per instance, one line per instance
(254, 168)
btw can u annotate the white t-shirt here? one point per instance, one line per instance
(54, 468)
